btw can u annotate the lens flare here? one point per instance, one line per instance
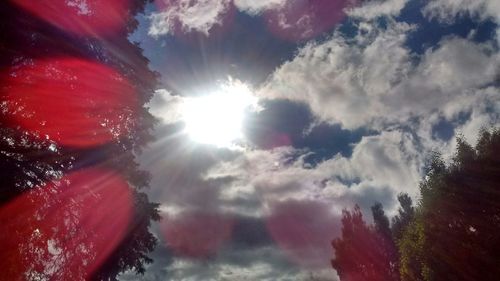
(196, 234)
(82, 17)
(303, 231)
(66, 229)
(72, 101)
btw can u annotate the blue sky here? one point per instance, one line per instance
(347, 115)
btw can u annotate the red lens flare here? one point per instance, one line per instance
(74, 102)
(66, 229)
(196, 234)
(304, 230)
(300, 20)
(83, 17)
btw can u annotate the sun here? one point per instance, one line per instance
(217, 118)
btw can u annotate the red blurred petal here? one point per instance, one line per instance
(83, 17)
(66, 229)
(72, 101)
(196, 234)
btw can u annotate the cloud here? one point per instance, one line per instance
(166, 107)
(250, 255)
(253, 7)
(374, 80)
(377, 8)
(380, 167)
(266, 263)
(371, 81)
(252, 186)
(188, 16)
(447, 10)
(342, 81)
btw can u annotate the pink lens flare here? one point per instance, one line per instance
(196, 234)
(93, 18)
(66, 229)
(303, 230)
(72, 101)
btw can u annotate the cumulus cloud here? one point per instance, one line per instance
(448, 10)
(256, 7)
(380, 167)
(374, 80)
(377, 8)
(166, 106)
(342, 81)
(447, 76)
(188, 15)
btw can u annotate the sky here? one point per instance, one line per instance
(332, 103)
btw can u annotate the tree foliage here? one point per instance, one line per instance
(38, 91)
(364, 252)
(452, 233)
(458, 218)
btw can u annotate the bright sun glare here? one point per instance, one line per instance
(217, 118)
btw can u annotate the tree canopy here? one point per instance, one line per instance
(451, 234)
(73, 91)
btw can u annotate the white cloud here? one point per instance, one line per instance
(166, 106)
(373, 80)
(254, 7)
(198, 16)
(484, 109)
(447, 77)
(377, 8)
(446, 10)
(343, 81)
(380, 167)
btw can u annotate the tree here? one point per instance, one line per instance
(454, 233)
(72, 111)
(406, 213)
(364, 252)
(383, 229)
(450, 235)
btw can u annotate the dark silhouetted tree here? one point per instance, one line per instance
(383, 229)
(454, 235)
(55, 86)
(406, 213)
